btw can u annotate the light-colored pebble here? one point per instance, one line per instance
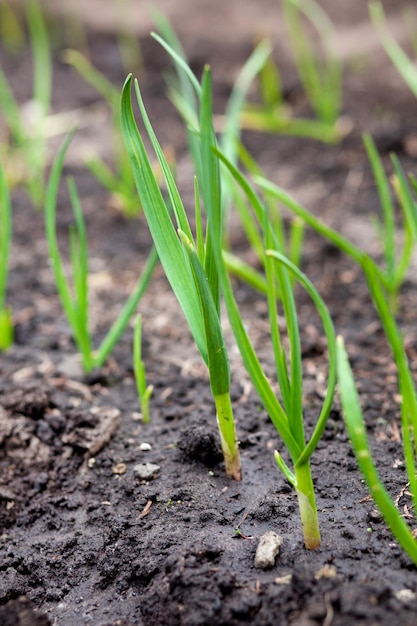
(283, 580)
(267, 550)
(405, 596)
(327, 571)
(120, 469)
(145, 471)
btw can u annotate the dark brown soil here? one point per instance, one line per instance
(82, 540)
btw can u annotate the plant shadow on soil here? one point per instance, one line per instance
(83, 539)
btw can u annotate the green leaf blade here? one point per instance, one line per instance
(218, 362)
(356, 429)
(168, 246)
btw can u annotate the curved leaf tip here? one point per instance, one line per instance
(128, 80)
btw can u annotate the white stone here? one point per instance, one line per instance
(268, 550)
(146, 470)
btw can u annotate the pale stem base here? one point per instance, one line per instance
(307, 506)
(228, 440)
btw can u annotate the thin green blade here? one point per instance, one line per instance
(170, 251)
(356, 429)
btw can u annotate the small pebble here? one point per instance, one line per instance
(267, 550)
(405, 596)
(119, 469)
(145, 447)
(327, 571)
(145, 470)
(283, 580)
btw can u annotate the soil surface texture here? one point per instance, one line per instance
(85, 537)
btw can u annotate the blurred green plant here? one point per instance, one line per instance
(357, 433)
(24, 150)
(75, 300)
(396, 263)
(404, 64)
(6, 322)
(397, 255)
(12, 33)
(119, 183)
(320, 74)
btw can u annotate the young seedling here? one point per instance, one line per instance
(357, 432)
(289, 421)
(25, 155)
(405, 66)
(396, 263)
(189, 263)
(407, 387)
(75, 301)
(120, 183)
(322, 79)
(320, 74)
(144, 390)
(288, 416)
(379, 285)
(6, 322)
